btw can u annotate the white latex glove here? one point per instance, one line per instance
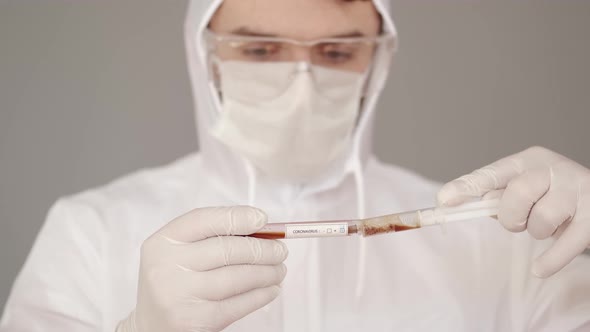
(194, 276)
(541, 191)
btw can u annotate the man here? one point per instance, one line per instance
(286, 93)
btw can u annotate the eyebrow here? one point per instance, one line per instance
(244, 31)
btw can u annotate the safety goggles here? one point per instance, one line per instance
(330, 61)
(348, 54)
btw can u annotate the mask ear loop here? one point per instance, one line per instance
(361, 213)
(214, 73)
(214, 79)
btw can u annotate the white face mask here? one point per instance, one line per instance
(289, 120)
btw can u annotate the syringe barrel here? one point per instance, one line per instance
(467, 211)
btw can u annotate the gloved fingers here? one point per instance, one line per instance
(213, 315)
(550, 212)
(221, 251)
(495, 176)
(493, 194)
(520, 196)
(239, 306)
(479, 182)
(572, 242)
(561, 229)
(225, 282)
(203, 223)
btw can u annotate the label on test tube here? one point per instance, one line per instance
(316, 230)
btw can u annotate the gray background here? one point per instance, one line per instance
(91, 90)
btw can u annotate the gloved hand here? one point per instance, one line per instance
(195, 276)
(542, 192)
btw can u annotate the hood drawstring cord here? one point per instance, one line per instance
(361, 213)
(251, 183)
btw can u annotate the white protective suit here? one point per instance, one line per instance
(474, 276)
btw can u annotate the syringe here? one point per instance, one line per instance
(379, 225)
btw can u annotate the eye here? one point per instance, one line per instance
(336, 53)
(260, 51)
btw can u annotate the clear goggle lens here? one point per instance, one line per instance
(324, 56)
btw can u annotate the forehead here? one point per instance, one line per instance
(298, 19)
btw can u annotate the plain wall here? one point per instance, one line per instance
(92, 90)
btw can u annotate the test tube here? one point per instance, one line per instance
(293, 230)
(379, 225)
(336, 228)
